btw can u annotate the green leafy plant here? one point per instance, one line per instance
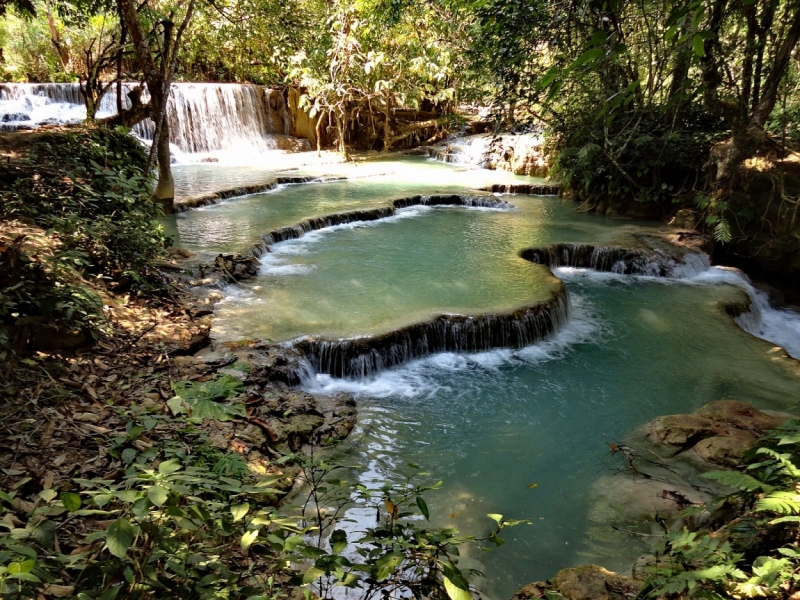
(757, 552)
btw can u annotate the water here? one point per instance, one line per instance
(228, 123)
(491, 424)
(236, 224)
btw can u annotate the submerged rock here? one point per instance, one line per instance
(719, 433)
(588, 582)
(682, 430)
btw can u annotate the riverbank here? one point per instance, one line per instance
(719, 532)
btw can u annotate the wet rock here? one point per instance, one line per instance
(682, 430)
(588, 582)
(235, 267)
(179, 253)
(726, 450)
(719, 433)
(15, 116)
(739, 414)
(685, 218)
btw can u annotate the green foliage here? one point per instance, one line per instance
(201, 400)
(168, 525)
(730, 562)
(88, 190)
(399, 554)
(642, 158)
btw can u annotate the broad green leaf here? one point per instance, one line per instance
(588, 56)
(387, 564)
(338, 541)
(239, 511)
(423, 508)
(71, 501)
(203, 408)
(175, 404)
(169, 466)
(698, 45)
(248, 537)
(119, 537)
(313, 574)
(48, 494)
(454, 591)
(44, 533)
(547, 78)
(158, 495)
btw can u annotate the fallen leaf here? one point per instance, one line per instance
(58, 591)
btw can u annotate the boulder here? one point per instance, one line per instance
(682, 430)
(725, 450)
(739, 414)
(588, 582)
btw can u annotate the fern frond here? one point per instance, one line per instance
(739, 481)
(783, 503)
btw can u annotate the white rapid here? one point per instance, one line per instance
(209, 122)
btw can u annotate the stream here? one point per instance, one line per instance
(490, 424)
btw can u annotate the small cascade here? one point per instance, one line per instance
(364, 356)
(523, 188)
(611, 259)
(756, 316)
(294, 232)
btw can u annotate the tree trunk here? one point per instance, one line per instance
(165, 189)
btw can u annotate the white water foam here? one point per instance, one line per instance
(421, 378)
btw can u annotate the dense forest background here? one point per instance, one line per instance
(680, 110)
(647, 107)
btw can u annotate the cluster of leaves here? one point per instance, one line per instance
(88, 190)
(755, 553)
(647, 158)
(180, 518)
(400, 555)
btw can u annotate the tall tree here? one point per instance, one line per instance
(156, 53)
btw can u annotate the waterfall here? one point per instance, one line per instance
(238, 122)
(616, 259)
(363, 356)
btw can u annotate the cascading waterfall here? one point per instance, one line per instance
(364, 356)
(240, 121)
(616, 259)
(759, 318)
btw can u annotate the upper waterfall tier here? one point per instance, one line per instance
(203, 117)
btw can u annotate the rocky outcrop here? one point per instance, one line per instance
(719, 433)
(617, 259)
(587, 582)
(523, 188)
(520, 154)
(279, 416)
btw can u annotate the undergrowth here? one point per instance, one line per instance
(180, 518)
(77, 218)
(754, 550)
